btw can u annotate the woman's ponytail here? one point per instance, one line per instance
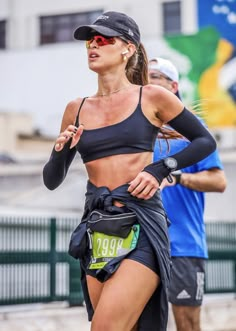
(137, 67)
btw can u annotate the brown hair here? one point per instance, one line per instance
(168, 133)
(137, 67)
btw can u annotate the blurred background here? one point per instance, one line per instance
(41, 69)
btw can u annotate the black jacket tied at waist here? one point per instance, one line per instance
(151, 217)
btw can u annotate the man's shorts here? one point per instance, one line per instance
(187, 281)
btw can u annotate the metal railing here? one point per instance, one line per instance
(35, 265)
(221, 265)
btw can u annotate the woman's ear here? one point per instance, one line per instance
(132, 49)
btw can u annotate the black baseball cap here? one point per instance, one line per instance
(110, 24)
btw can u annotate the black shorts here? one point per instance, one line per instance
(187, 281)
(143, 253)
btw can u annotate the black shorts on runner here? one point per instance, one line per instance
(187, 281)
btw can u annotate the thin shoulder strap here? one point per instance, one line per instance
(77, 117)
(140, 94)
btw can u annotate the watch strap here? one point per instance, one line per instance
(177, 175)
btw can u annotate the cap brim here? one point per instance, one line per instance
(85, 32)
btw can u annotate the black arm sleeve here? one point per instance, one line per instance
(202, 144)
(55, 170)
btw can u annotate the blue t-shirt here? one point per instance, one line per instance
(185, 207)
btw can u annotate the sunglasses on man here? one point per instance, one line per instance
(157, 75)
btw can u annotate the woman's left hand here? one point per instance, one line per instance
(144, 186)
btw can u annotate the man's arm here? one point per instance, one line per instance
(212, 180)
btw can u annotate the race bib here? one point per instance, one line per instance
(105, 247)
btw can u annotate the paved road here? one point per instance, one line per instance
(218, 314)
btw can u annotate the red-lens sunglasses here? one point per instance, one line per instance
(101, 41)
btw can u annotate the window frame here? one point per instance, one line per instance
(168, 14)
(3, 34)
(59, 28)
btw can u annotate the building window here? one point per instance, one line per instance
(2, 34)
(171, 17)
(59, 28)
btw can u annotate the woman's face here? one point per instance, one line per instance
(105, 53)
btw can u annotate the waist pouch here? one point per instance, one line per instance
(78, 241)
(118, 225)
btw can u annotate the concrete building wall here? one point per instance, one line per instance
(11, 126)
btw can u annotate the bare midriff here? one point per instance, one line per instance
(116, 170)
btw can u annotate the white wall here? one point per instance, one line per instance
(42, 81)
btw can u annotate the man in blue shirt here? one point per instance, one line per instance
(184, 204)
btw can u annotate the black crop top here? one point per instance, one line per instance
(135, 134)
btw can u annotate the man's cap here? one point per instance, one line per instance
(110, 24)
(166, 67)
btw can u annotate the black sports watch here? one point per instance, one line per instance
(170, 163)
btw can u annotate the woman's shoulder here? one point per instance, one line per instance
(72, 109)
(157, 91)
(75, 103)
(161, 96)
(157, 96)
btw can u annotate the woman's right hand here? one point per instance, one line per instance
(71, 132)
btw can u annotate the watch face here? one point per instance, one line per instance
(171, 163)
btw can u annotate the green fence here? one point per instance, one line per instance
(35, 265)
(221, 265)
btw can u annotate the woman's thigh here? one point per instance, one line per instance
(119, 301)
(95, 289)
